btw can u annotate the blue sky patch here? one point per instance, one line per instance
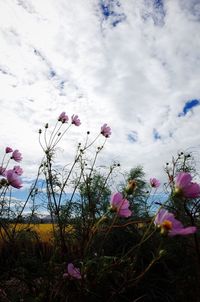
(189, 105)
(155, 10)
(111, 12)
(132, 137)
(52, 73)
(156, 135)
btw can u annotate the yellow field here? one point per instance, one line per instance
(44, 230)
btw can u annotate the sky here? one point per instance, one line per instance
(134, 65)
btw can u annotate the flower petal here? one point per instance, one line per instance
(183, 179)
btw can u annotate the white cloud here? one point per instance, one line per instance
(63, 56)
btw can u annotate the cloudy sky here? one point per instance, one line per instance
(134, 65)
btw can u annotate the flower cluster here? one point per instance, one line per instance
(63, 118)
(11, 176)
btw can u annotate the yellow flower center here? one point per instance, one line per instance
(178, 191)
(166, 225)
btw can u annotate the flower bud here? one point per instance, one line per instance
(3, 182)
(162, 253)
(131, 187)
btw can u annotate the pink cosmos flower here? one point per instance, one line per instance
(13, 179)
(155, 183)
(105, 130)
(185, 187)
(121, 205)
(73, 272)
(2, 171)
(18, 170)
(16, 155)
(63, 118)
(9, 150)
(75, 120)
(170, 225)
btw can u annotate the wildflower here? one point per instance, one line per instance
(120, 205)
(75, 120)
(2, 171)
(105, 130)
(63, 118)
(184, 186)
(171, 226)
(155, 183)
(18, 170)
(131, 186)
(9, 150)
(73, 272)
(16, 155)
(13, 179)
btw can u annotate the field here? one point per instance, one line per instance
(44, 231)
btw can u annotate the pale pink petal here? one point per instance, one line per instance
(16, 155)
(183, 179)
(192, 190)
(124, 213)
(124, 204)
(13, 179)
(106, 130)
(155, 183)
(183, 231)
(116, 199)
(163, 215)
(9, 150)
(73, 271)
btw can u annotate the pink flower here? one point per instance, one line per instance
(120, 205)
(18, 170)
(63, 118)
(2, 171)
(16, 155)
(75, 120)
(155, 183)
(171, 226)
(185, 187)
(73, 272)
(105, 130)
(9, 150)
(13, 179)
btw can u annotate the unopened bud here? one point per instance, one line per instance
(131, 187)
(3, 182)
(40, 131)
(162, 253)
(46, 126)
